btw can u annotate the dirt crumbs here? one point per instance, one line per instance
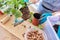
(34, 35)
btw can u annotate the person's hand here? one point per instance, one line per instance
(33, 1)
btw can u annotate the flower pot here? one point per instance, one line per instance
(26, 13)
(35, 20)
(26, 16)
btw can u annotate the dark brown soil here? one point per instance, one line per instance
(25, 11)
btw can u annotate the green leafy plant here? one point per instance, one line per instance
(14, 7)
(30, 19)
(1, 3)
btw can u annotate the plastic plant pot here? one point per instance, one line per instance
(35, 20)
(44, 17)
(26, 13)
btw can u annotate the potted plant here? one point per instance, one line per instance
(13, 8)
(25, 11)
(17, 8)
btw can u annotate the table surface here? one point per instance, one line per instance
(18, 30)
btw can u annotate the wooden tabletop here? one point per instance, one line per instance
(18, 30)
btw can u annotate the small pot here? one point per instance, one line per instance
(35, 20)
(25, 11)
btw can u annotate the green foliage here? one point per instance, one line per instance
(0, 0)
(16, 12)
(1, 3)
(31, 14)
(8, 11)
(15, 3)
(40, 26)
(14, 6)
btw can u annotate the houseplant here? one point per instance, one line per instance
(14, 6)
(17, 8)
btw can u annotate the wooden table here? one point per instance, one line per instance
(18, 30)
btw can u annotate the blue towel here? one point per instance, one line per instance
(44, 17)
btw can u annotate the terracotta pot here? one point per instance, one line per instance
(35, 20)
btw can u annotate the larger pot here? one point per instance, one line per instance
(26, 13)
